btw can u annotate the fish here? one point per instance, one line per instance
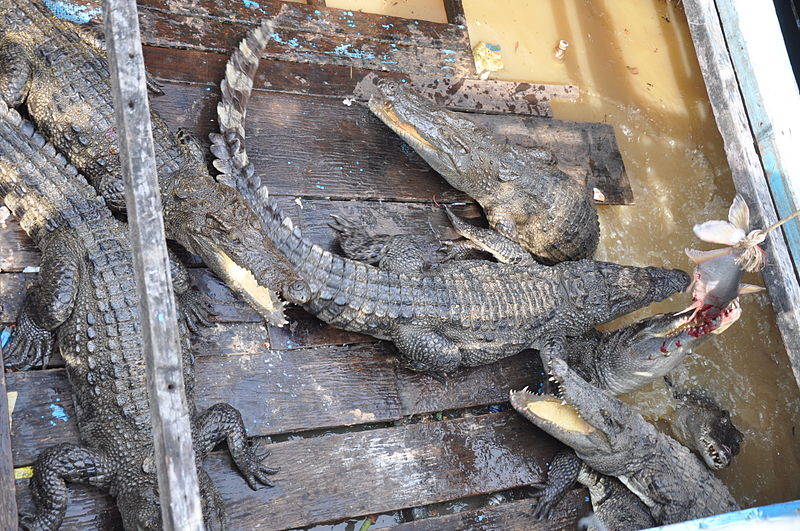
(717, 278)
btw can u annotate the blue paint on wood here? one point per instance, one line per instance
(58, 412)
(786, 513)
(67, 10)
(347, 50)
(5, 337)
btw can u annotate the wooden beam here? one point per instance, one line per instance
(511, 516)
(345, 475)
(174, 454)
(772, 101)
(8, 502)
(748, 175)
(454, 10)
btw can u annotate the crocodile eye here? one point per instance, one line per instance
(605, 413)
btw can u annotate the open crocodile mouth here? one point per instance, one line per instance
(717, 460)
(702, 325)
(552, 409)
(386, 111)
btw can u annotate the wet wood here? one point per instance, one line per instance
(454, 10)
(748, 175)
(8, 502)
(310, 34)
(174, 454)
(277, 391)
(363, 473)
(460, 94)
(511, 516)
(357, 156)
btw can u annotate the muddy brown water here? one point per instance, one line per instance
(635, 65)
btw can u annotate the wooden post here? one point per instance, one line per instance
(454, 10)
(770, 94)
(175, 460)
(748, 175)
(8, 500)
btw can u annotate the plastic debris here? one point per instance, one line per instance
(348, 101)
(487, 59)
(560, 52)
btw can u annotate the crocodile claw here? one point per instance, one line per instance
(251, 466)
(29, 345)
(196, 310)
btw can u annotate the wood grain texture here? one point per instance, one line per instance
(363, 473)
(336, 81)
(511, 516)
(748, 175)
(356, 156)
(283, 391)
(8, 502)
(309, 34)
(175, 461)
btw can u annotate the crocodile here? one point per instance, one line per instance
(59, 71)
(85, 304)
(613, 439)
(616, 508)
(463, 313)
(523, 193)
(702, 425)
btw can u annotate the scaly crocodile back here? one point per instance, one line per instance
(101, 340)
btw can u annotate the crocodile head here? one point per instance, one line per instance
(599, 427)
(649, 349)
(602, 291)
(214, 221)
(702, 425)
(462, 152)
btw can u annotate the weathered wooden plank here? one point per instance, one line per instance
(174, 454)
(283, 391)
(455, 12)
(511, 516)
(8, 502)
(772, 101)
(309, 34)
(13, 288)
(15, 246)
(460, 94)
(369, 472)
(356, 156)
(748, 175)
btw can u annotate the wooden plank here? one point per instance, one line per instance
(455, 12)
(772, 101)
(8, 502)
(276, 391)
(356, 156)
(314, 35)
(511, 516)
(15, 246)
(309, 34)
(13, 288)
(748, 175)
(369, 472)
(174, 454)
(460, 94)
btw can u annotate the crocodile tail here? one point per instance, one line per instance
(237, 86)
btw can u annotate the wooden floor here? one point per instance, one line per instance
(354, 434)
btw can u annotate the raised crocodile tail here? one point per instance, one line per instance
(237, 86)
(38, 184)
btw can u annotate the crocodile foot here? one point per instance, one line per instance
(196, 309)
(29, 345)
(250, 464)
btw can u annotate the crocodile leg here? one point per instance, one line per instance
(15, 75)
(423, 350)
(194, 306)
(46, 307)
(399, 253)
(561, 476)
(53, 468)
(502, 221)
(213, 506)
(223, 421)
(488, 240)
